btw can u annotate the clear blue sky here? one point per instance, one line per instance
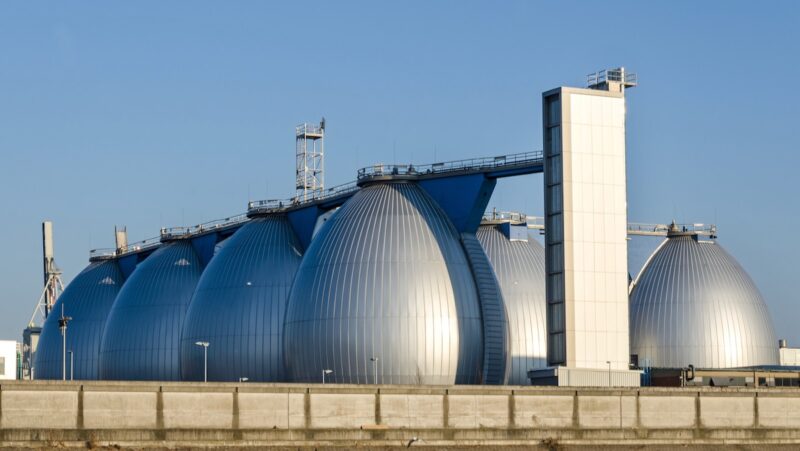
(153, 114)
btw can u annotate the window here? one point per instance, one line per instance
(553, 108)
(2, 366)
(554, 228)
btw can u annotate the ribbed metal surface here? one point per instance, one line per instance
(493, 314)
(387, 278)
(88, 300)
(142, 335)
(693, 304)
(240, 303)
(519, 268)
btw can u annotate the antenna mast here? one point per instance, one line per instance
(53, 285)
(310, 153)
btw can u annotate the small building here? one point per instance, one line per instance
(788, 356)
(8, 360)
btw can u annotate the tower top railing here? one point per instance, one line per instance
(309, 129)
(618, 75)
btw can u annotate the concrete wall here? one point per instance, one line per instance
(338, 415)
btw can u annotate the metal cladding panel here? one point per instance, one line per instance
(142, 335)
(88, 300)
(693, 304)
(519, 268)
(386, 277)
(240, 303)
(493, 314)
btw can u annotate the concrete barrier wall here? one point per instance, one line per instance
(128, 412)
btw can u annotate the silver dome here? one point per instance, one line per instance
(240, 303)
(142, 335)
(88, 300)
(692, 304)
(518, 263)
(386, 277)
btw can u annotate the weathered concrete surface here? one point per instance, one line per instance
(119, 410)
(285, 416)
(412, 411)
(667, 412)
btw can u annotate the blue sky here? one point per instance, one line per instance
(150, 114)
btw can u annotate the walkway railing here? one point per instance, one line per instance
(98, 254)
(181, 232)
(138, 246)
(664, 229)
(277, 205)
(466, 165)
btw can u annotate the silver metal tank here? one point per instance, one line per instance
(240, 303)
(87, 300)
(386, 278)
(142, 335)
(693, 304)
(518, 263)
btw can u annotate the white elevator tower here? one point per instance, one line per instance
(586, 258)
(310, 152)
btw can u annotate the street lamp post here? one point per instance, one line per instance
(324, 372)
(609, 372)
(204, 344)
(374, 360)
(62, 326)
(71, 365)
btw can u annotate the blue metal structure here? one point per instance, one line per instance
(239, 305)
(88, 300)
(386, 278)
(518, 263)
(693, 304)
(142, 335)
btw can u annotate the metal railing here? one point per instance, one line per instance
(182, 232)
(532, 222)
(276, 205)
(514, 216)
(664, 229)
(634, 228)
(102, 253)
(308, 129)
(138, 246)
(466, 165)
(616, 75)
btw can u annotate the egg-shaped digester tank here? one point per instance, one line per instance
(693, 304)
(385, 286)
(87, 300)
(240, 303)
(142, 336)
(518, 263)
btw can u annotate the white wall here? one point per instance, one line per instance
(586, 220)
(598, 242)
(790, 356)
(8, 353)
